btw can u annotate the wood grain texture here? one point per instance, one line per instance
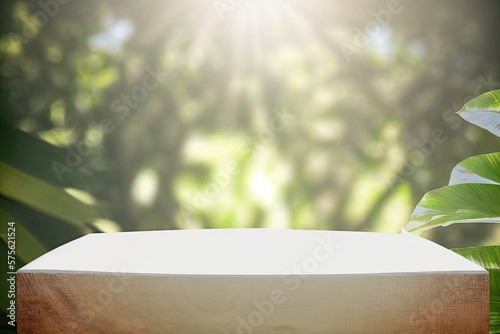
(322, 304)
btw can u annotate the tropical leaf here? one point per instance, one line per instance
(30, 248)
(50, 231)
(484, 111)
(460, 203)
(41, 159)
(44, 197)
(483, 168)
(489, 258)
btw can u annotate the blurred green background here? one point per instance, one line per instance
(127, 115)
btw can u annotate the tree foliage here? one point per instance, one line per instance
(299, 114)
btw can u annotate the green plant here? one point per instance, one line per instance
(37, 212)
(472, 196)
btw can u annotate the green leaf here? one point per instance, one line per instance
(483, 168)
(43, 197)
(484, 111)
(40, 159)
(51, 232)
(460, 203)
(28, 247)
(489, 258)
